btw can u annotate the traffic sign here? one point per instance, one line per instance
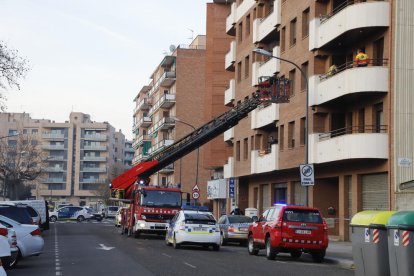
(231, 188)
(195, 188)
(195, 194)
(307, 176)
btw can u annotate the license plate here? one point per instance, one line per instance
(303, 232)
(159, 225)
(200, 229)
(244, 229)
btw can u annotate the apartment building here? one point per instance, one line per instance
(170, 107)
(129, 154)
(359, 127)
(78, 153)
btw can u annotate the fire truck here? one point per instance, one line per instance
(150, 207)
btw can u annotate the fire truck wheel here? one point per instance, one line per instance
(175, 244)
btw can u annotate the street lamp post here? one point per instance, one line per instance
(305, 77)
(198, 149)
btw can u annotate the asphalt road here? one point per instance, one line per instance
(91, 248)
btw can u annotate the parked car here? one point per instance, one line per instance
(110, 211)
(4, 248)
(38, 209)
(29, 237)
(291, 229)
(71, 213)
(11, 261)
(95, 215)
(17, 213)
(234, 228)
(193, 227)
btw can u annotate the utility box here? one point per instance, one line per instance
(401, 243)
(370, 243)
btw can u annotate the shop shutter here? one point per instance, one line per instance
(299, 194)
(374, 192)
(265, 197)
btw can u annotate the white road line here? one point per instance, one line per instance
(166, 255)
(190, 265)
(57, 260)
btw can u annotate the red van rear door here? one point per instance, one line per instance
(303, 226)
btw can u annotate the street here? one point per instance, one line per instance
(97, 248)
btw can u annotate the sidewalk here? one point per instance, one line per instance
(341, 253)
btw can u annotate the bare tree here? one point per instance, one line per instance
(21, 161)
(12, 68)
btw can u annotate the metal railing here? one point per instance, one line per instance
(192, 47)
(352, 64)
(353, 130)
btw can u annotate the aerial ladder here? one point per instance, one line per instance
(269, 90)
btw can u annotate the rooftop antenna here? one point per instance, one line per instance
(192, 34)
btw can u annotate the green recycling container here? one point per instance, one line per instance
(401, 243)
(369, 243)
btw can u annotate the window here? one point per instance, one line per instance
(305, 23)
(24, 131)
(245, 149)
(13, 132)
(291, 134)
(304, 68)
(246, 67)
(302, 130)
(240, 32)
(248, 25)
(239, 67)
(281, 138)
(292, 82)
(283, 39)
(238, 151)
(34, 131)
(293, 32)
(379, 118)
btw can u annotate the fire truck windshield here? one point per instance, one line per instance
(161, 199)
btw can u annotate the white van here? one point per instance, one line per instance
(110, 211)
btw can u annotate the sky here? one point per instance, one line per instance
(92, 56)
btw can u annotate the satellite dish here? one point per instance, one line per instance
(172, 48)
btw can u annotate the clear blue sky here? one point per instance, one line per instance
(92, 56)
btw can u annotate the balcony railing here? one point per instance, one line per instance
(168, 169)
(95, 137)
(140, 140)
(95, 158)
(94, 181)
(160, 145)
(52, 136)
(356, 142)
(94, 169)
(228, 169)
(55, 158)
(165, 101)
(164, 123)
(93, 147)
(53, 147)
(54, 169)
(266, 68)
(264, 116)
(230, 57)
(145, 121)
(55, 180)
(230, 93)
(231, 20)
(229, 135)
(166, 80)
(263, 27)
(264, 160)
(143, 104)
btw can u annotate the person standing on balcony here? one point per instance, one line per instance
(361, 59)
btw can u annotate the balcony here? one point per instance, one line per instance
(93, 169)
(265, 27)
(55, 158)
(229, 135)
(53, 147)
(94, 158)
(145, 121)
(166, 101)
(348, 22)
(129, 157)
(160, 145)
(53, 136)
(167, 169)
(144, 90)
(348, 144)
(243, 8)
(163, 124)
(167, 79)
(54, 169)
(263, 161)
(231, 20)
(55, 180)
(228, 169)
(143, 104)
(94, 147)
(95, 137)
(230, 58)
(263, 116)
(267, 68)
(139, 158)
(230, 93)
(140, 140)
(94, 180)
(346, 83)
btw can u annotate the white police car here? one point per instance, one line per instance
(193, 227)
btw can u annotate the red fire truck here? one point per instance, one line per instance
(151, 207)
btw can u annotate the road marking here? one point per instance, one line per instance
(57, 260)
(104, 247)
(166, 255)
(190, 265)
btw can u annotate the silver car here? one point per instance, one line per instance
(29, 239)
(234, 228)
